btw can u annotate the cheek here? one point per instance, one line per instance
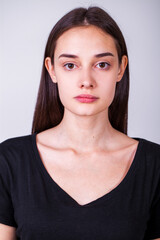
(65, 89)
(108, 88)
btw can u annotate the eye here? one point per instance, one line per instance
(69, 66)
(103, 65)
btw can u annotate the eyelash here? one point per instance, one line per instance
(108, 65)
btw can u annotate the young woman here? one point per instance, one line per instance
(78, 175)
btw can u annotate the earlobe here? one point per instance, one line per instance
(50, 69)
(122, 67)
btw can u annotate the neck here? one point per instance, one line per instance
(86, 133)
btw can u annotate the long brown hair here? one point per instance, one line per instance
(49, 109)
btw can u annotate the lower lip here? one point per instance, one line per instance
(86, 100)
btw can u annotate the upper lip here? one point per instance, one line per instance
(86, 96)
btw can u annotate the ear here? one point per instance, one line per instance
(122, 67)
(50, 69)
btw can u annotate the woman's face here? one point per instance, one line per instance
(86, 63)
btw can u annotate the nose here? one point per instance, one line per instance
(87, 80)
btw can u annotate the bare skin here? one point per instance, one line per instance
(7, 232)
(85, 176)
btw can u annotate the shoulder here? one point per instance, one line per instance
(148, 156)
(15, 149)
(149, 148)
(149, 151)
(15, 140)
(15, 143)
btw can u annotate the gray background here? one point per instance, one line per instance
(24, 29)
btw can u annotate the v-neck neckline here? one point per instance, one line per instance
(68, 198)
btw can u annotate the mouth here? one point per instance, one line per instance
(86, 98)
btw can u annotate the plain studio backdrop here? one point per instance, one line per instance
(24, 29)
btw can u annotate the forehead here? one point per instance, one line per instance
(86, 39)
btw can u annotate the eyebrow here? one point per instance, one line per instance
(97, 55)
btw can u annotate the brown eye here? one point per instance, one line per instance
(103, 65)
(69, 66)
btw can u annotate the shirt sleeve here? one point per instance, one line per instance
(6, 206)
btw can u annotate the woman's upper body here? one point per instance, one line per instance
(82, 179)
(48, 193)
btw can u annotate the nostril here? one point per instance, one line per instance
(87, 85)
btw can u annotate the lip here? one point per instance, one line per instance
(86, 98)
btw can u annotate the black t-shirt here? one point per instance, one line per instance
(40, 209)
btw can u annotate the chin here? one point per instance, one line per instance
(87, 113)
(87, 110)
